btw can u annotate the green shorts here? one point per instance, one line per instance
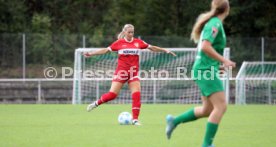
(207, 83)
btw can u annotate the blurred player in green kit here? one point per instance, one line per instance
(209, 33)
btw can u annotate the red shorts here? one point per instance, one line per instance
(126, 74)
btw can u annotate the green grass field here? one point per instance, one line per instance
(71, 125)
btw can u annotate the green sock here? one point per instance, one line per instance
(185, 117)
(211, 129)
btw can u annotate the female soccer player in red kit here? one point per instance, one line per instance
(127, 70)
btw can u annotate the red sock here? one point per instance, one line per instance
(136, 104)
(106, 97)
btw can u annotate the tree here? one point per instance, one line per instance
(13, 18)
(252, 18)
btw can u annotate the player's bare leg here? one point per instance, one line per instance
(204, 110)
(112, 94)
(219, 103)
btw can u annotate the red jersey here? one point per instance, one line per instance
(128, 51)
(128, 61)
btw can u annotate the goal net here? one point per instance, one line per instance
(164, 78)
(256, 83)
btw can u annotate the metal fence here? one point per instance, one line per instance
(26, 55)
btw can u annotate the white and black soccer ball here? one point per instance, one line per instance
(125, 118)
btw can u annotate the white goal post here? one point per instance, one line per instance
(256, 83)
(89, 85)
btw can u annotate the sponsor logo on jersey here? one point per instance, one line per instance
(214, 32)
(129, 52)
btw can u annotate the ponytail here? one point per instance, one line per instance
(201, 21)
(217, 7)
(121, 35)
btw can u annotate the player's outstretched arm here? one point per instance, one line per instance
(97, 52)
(159, 49)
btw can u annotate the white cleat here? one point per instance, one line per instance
(136, 122)
(91, 106)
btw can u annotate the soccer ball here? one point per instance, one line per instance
(125, 118)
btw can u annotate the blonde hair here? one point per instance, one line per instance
(126, 26)
(217, 7)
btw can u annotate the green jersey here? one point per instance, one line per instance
(214, 33)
